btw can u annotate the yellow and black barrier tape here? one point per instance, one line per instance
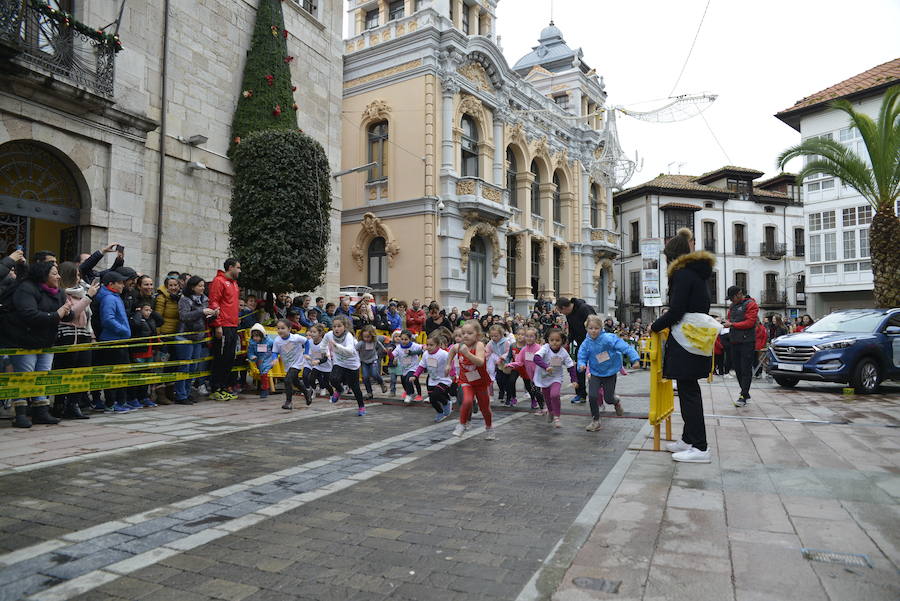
(107, 344)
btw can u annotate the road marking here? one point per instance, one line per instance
(211, 510)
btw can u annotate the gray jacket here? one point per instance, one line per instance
(190, 311)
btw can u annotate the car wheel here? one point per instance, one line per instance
(866, 376)
(786, 382)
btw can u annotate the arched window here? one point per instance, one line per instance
(595, 206)
(378, 140)
(535, 267)
(557, 200)
(512, 249)
(511, 170)
(477, 271)
(557, 265)
(378, 272)
(469, 144)
(535, 190)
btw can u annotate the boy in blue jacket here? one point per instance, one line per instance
(114, 325)
(602, 352)
(259, 351)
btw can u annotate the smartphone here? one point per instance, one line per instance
(120, 248)
(20, 247)
(96, 281)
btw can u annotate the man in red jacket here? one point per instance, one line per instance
(741, 321)
(224, 295)
(415, 317)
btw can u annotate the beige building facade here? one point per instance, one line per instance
(129, 147)
(488, 186)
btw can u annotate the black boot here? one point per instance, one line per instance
(59, 405)
(72, 410)
(41, 415)
(21, 420)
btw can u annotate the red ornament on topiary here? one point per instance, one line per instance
(277, 110)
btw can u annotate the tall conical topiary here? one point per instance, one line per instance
(266, 101)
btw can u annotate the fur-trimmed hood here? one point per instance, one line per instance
(701, 261)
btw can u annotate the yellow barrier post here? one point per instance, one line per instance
(662, 397)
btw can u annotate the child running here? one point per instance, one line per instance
(371, 350)
(292, 350)
(497, 348)
(473, 378)
(524, 364)
(600, 352)
(407, 355)
(259, 351)
(393, 365)
(437, 361)
(342, 349)
(551, 361)
(318, 376)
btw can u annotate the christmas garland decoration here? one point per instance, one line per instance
(65, 19)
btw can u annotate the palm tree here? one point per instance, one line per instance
(877, 180)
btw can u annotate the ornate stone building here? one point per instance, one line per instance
(83, 128)
(488, 186)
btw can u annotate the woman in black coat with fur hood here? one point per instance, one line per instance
(689, 272)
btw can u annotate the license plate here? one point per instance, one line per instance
(790, 367)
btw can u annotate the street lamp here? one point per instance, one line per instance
(365, 167)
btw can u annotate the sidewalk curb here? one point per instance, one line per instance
(545, 581)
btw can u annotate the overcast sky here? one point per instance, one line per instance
(759, 58)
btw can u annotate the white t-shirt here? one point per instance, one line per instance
(343, 355)
(438, 366)
(405, 360)
(290, 350)
(320, 352)
(558, 364)
(496, 351)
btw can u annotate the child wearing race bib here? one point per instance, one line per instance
(551, 361)
(437, 361)
(497, 348)
(602, 352)
(342, 350)
(370, 352)
(473, 378)
(393, 366)
(292, 350)
(407, 355)
(318, 376)
(524, 364)
(259, 351)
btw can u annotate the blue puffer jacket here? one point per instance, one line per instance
(613, 346)
(113, 319)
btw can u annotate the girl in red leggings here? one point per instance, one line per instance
(473, 378)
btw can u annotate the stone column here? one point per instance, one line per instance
(608, 221)
(547, 190)
(382, 12)
(523, 270)
(449, 89)
(545, 282)
(524, 179)
(457, 13)
(586, 202)
(360, 21)
(473, 19)
(408, 7)
(568, 201)
(499, 152)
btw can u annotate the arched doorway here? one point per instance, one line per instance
(40, 202)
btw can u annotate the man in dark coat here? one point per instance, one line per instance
(741, 323)
(576, 312)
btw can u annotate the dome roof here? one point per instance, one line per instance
(552, 52)
(551, 32)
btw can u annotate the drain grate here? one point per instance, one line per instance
(598, 584)
(846, 559)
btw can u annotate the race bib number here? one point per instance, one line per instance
(262, 348)
(472, 376)
(315, 355)
(370, 346)
(555, 361)
(288, 348)
(602, 357)
(432, 363)
(529, 356)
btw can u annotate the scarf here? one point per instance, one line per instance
(48, 289)
(76, 291)
(339, 339)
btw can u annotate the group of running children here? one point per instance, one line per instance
(462, 364)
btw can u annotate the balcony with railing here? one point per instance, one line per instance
(799, 250)
(538, 223)
(559, 231)
(517, 219)
(377, 34)
(475, 194)
(607, 240)
(50, 44)
(740, 248)
(773, 250)
(771, 297)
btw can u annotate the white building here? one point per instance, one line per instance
(754, 229)
(838, 269)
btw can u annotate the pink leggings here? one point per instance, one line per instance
(470, 393)
(551, 396)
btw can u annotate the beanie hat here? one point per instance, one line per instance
(679, 244)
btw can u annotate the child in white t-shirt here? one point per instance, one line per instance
(292, 349)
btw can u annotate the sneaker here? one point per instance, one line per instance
(550, 416)
(513, 402)
(534, 404)
(440, 417)
(335, 397)
(489, 434)
(263, 394)
(307, 396)
(593, 426)
(692, 455)
(556, 423)
(678, 446)
(576, 399)
(418, 398)
(134, 404)
(459, 430)
(148, 403)
(384, 388)
(407, 398)
(288, 405)
(740, 402)
(448, 409)
(184, 402)
(202, 390)
(361, 411)
(216, 396)
(619, 411)
(100, 409)
(229, 396)
(121, 408)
